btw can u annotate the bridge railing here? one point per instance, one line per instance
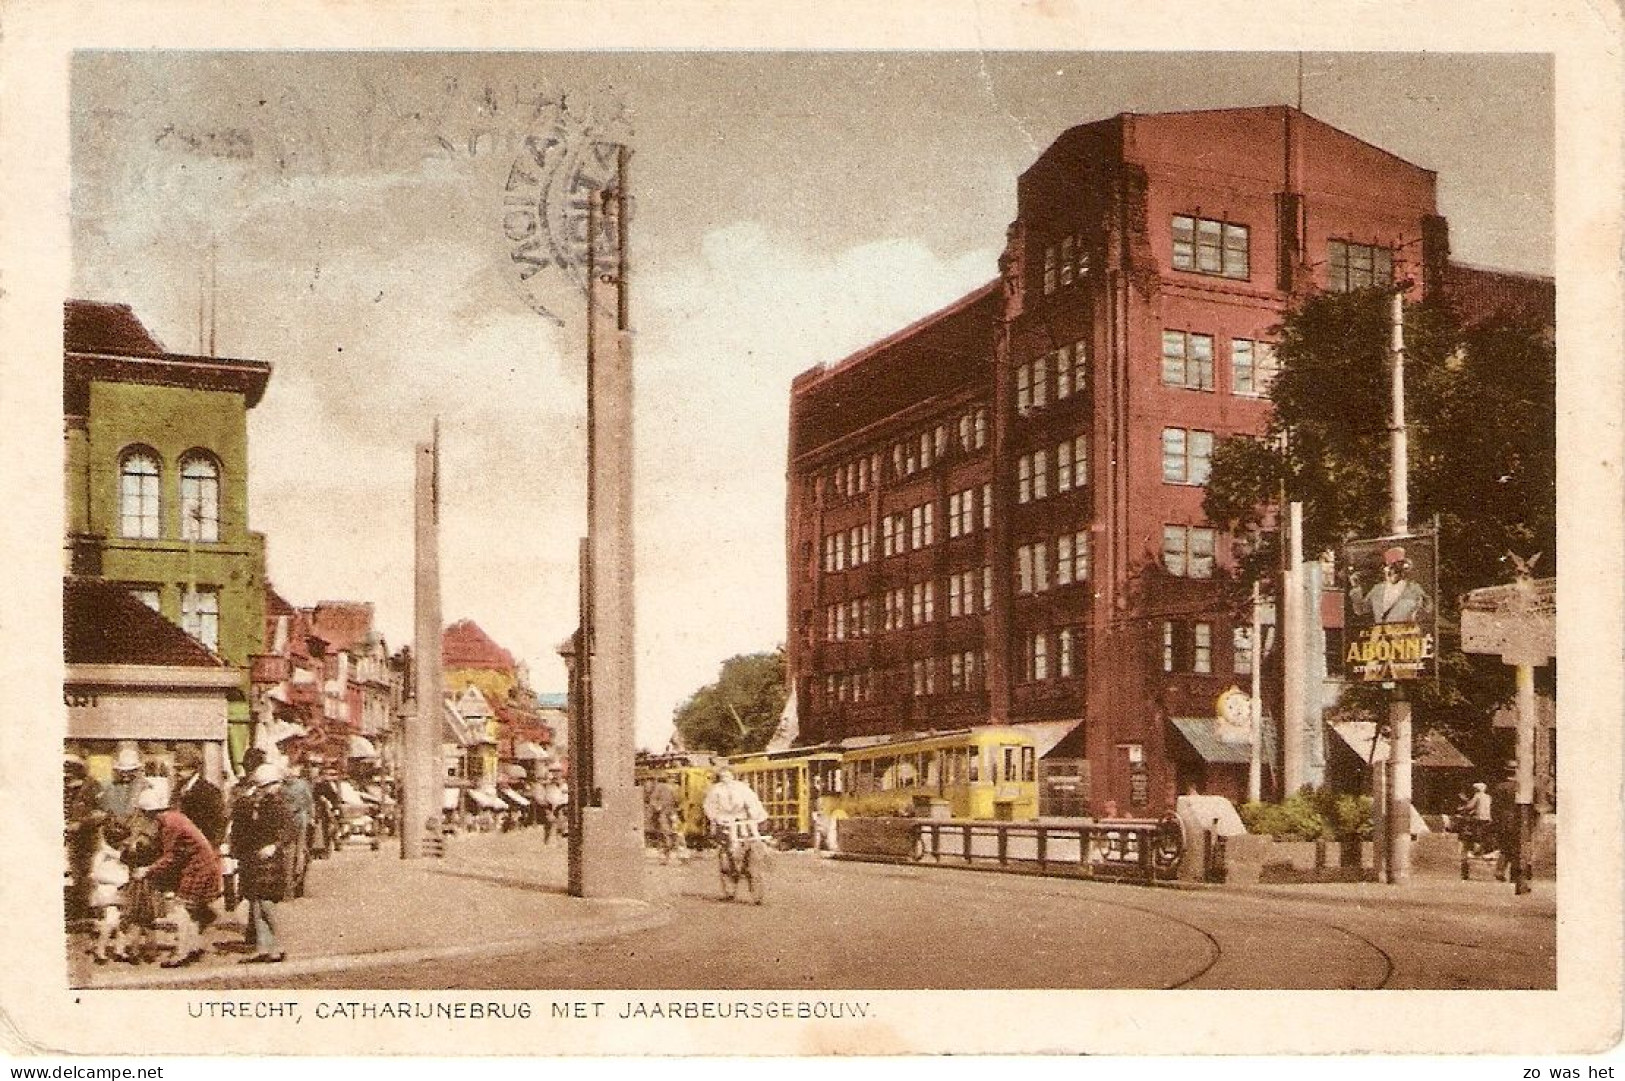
(1141, 850)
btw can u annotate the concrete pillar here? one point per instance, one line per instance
(420, 773)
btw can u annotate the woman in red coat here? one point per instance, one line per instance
(187, 866)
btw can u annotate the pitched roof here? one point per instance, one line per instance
(92, 326)
(342, 624)
(103, 623)
(465, 645)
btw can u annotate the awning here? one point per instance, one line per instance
(1431, 750)
(513, 797)
(1199, 734)
(349, 796)
(527, 751)
(488, 800)
(361, 747)
(449, 798)
(1046, 734)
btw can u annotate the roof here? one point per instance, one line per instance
(1200, 733)
(1429, 750)
(103, 623)
(343, 624)
(465, 645)
(93, 326)
(107, 342)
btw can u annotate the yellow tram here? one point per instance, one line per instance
(988, 773)
(691, 775)
(792, 785)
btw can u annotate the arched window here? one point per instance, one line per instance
(138, 494)
(200, 498)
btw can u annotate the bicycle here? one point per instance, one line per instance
(742, 855)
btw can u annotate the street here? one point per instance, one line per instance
(840, 924)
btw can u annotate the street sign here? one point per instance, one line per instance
(1516, 622)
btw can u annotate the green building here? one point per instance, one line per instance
(157, 494)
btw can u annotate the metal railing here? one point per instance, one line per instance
(1142, 850)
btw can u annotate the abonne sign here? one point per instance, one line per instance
(1390, 617)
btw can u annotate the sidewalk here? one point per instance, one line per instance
(491, 893)
(1434, 891)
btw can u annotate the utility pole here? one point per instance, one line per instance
(1399, 708)
(420, 780)
(1292, 681)
(608, 860)
(1255, 762)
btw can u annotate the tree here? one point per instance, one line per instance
(1481, 418)
(740, 711)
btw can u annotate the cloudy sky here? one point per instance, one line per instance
(789, 208)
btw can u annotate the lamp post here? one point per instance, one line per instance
(1399, 709)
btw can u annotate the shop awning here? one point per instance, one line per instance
(488, 800)
(361, 747)
(527, 751)
(513, 797)
(449, 798)
(1431, 750)
(1199, 734)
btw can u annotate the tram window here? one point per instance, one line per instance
(931, 773)
(1029, 768)
(973, 759)
(1009, 764)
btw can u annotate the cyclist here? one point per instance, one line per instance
(661, 801)
(730, 800)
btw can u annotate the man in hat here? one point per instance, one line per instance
(118, 798)
(196, 798)
(187, 866)
(81, 817)
(1504, 815)
(262, 841)
(1395, 599)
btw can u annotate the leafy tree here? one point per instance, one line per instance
(1481, 418)
(740, 711)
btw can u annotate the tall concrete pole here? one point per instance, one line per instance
(1255, 760)
(1293, 664)
(1399, 709)
(611, 812)
(419, 764)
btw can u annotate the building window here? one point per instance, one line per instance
(896, 609)
(1357, 266)
(200, 617)
(1187, 551)
(1066, 653)
(1202, 648)
(1167, 646)
(921, 532)
(147, 595)
(1187, 360)
(1252, 367)
(1036, 665)
(1187, 647)
(200, 498)
(1071, 558)
(1051, 266)
(138, 495)
(981, 428)
(925, 594)
(962, 513)
(1204, 246)
(1187, 456)
(1032, 568)
(1072, 464)
(1071, 370)
(987, 589)
(1241, 651)
(987, 506)
(962, 593)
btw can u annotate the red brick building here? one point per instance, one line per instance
(995, 515)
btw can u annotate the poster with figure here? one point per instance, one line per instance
(1391, 589)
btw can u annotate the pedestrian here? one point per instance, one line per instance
(301, 800)
(558, 800)
(197, 798)
(118, 798)
(663, 814)
(1475, 814)
(108, 877)
(262, 839)
(1504, 811)
(187, 866)
(81, 820)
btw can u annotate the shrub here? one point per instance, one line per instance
(1310, 815)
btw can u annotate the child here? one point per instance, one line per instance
(108, 875)
(142, 905)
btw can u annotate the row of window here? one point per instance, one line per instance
(1071, 469)
(913, 454)
(1188, 647)
(1065, 261)
(1052, 655)
(1061, 374)
(935, 770)
(140, 502)
(1187, 361)
(1220, 248)
(910, 530)
(848, 548)
(1037, 572)
(959, 672)
(200, 610)
(902, 607)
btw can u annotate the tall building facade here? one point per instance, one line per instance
(157, 483)
(995, 515)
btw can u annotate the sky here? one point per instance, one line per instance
(788, 209)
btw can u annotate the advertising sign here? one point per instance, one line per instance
(1390, 614)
